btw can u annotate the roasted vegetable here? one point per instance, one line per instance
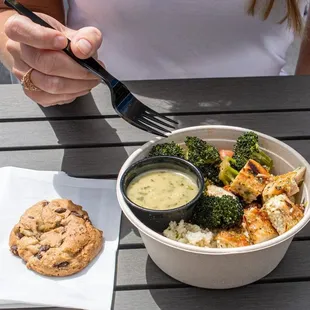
(227, 172)
(247, 148)
(224, 153)
(211, 174)
(167, 149)
(218, 212)
(200, 153)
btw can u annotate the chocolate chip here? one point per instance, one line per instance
(76, 214)
(45, 203)
(38, 255)
(31, 217)
(60, 210)
(14, 249)
(44, 248)
(20, 235)
(63, 264)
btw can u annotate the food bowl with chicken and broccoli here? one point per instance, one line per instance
(254, 201)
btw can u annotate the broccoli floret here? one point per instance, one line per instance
(218, 212)
(211, 174)
(227, 172)
(205, 157)
(167, 149)
(247, 148)
(200, 153)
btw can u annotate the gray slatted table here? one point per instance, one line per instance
(87, 139)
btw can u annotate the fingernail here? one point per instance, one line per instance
(84, 46)
(60, 42)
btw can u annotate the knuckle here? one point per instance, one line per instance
(13, 26)
(97, 32)
(46, 61)
(9, 25)
(10, 46)
(39, 60)
(44, 35)
(54, 84)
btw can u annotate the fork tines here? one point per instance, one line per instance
(157, 121)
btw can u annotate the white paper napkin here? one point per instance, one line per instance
(92, 288)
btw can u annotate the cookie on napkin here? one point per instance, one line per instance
(56, 238)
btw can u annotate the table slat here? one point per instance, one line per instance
(178, 96)
(284, 296)
(77, 162)
(114, 131)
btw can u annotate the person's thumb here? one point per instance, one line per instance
(85, 42)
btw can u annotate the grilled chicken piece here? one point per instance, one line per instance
(231, 239)
(213, 190)
(251, 181)
(258, 224)
(283, 213)
(285, 183)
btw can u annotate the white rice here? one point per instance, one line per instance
(189, 234)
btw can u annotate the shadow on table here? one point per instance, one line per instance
(200, 93)
(255, 297)
(196, 298)
(171, 294)
(155, 276)
(85, 161)
(76, 132)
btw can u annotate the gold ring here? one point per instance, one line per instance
(27, 83)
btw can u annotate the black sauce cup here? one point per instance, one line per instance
(159, 220)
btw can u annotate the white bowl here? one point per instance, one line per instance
(216, 268)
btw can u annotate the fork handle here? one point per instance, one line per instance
(90, 63)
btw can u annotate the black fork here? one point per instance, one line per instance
(126, 105)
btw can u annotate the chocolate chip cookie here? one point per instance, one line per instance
(56, 238)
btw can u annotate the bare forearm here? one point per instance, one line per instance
(53, 8)
(303, 63)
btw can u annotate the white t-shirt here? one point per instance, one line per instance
(163, 39)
